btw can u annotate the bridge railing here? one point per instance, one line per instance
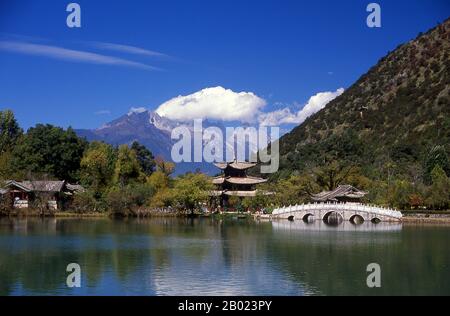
(338, 207)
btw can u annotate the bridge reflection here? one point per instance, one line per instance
(344, 226)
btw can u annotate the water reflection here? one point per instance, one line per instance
(208, 257)
(345, 226)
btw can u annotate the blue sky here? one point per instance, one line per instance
(283, 52)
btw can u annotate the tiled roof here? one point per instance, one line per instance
(44, 186)
(235, 165)
(238, 180)
(246, 180)
(241, 193)
(340, 191)
(75, 187)
(218, 180)
(38, 186)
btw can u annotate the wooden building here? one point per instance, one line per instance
(342, 194)
(234, 181)
(23, 194)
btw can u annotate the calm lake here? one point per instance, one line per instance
(168, 256)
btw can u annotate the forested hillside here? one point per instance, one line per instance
(391, 126)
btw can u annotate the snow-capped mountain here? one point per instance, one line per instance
(151, 130)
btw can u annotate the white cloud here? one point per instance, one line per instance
(69, 54)
(214, 103)
(136, 110)
(286, 116)
(128, 49)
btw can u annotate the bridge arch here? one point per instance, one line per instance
(291, 218)
(356, 219)
(375, 220)
(333, 218)
(308, 217)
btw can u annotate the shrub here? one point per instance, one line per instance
(86, 202)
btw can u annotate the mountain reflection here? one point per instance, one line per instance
(168, 256)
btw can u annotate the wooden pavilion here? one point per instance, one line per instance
(234, 181)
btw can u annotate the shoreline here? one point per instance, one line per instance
(442, 218)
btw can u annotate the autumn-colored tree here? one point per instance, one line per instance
(127, 168)
(164, 166)
(416, 200)
(158, 180)
(97, 166)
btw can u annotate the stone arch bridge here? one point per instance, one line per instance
(356, 213)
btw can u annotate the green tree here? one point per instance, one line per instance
(400, 193)
(5, 204)
(439, 192)
(296, 189)
(10, 131)
(436, 157)
(119, 202)
(145, 158)
(6, 171)
(85, 202)
(262, 200)
(97, 166)
(47, 149)
(127, 168)
(330, 176)
(191, 190)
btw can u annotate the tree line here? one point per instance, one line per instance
(404, 176)
(117, 179)
(127, 179)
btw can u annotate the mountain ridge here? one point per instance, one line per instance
(401, 106)
(151, 130)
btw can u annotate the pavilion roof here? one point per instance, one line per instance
(241, 193)
(235, 165)
(339, 192)
(238, 180)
